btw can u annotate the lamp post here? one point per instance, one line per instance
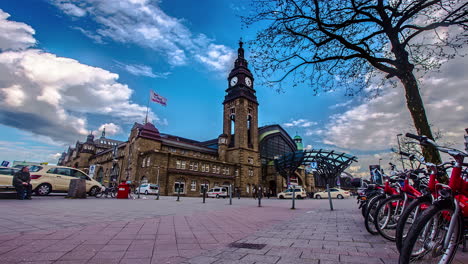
(157, 182)
(399, 149)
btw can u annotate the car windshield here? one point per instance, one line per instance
(34, 168)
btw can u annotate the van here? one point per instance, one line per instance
(47, 178)
(218, 192)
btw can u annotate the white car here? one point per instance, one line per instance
(334, 193)
(218, 192)
(299, 192)
(148, 188)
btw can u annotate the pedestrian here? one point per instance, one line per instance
(238, 192)
(22, 183)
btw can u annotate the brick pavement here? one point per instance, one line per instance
(191, 232)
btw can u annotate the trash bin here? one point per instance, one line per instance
(122, 192)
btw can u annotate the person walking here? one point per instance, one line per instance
(21, 181)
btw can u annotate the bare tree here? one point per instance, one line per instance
(345, 43)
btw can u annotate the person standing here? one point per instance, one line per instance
(22, 183)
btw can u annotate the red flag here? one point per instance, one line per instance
(157, 98)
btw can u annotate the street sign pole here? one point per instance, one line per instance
(329, 197)
(230, 194)
(294, 198)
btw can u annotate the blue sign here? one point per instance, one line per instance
(313, 165)
(5, 163)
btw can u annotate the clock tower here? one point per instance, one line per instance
(240, 124)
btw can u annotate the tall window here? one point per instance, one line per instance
(193, 186)
(183, 165)
(206, 185)
(207, 168)
(178, 164)
(148, 161)
(179, 185)
(191, 166)
(218, 169)
(203, 167)
(249, 126)
(233, 129)
(195, 166)
(251, 173)
(143, 163)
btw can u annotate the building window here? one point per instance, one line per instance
(148, 161)
(195, 166)
(250, 160)
(203, 167)
(178, 164)
(216, 184)
(251, 173)
(218, 169)
(236, 172)
(179, 185)
(207, 169)
(143, 163)
(204, 185)
(183, 165)
(193, 186)
(191, 166)
(227, 171)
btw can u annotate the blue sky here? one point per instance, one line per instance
(88, 64)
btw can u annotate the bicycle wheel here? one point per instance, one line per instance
(386, 216)
(409, 216)
(113, 193)
(424, 242)
(369, 219)
(99, 194)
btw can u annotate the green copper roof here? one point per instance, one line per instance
(297, 137)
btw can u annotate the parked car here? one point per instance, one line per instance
(148, 188)
(298, 191)
(218, 192)
(6, 178)
(334, 193)
(47, 178)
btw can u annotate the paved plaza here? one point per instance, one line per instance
(58, 230)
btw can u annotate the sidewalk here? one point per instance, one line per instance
(196, 233)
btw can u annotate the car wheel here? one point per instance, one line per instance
(281, 197)
(217, 196)
(318, 197)
(93, 191)
(339, 196)
(146, 192)
(43, 189)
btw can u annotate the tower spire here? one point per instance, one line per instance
(103, 135)
(240, 51)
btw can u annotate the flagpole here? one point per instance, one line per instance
(147, 108)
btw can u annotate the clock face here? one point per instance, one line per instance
(248, 81)
(234, 81)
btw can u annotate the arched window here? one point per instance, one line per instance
(115, 173)
(148, 160)
(233, 129)
(144, 180)
(249, 136)
(100, 175)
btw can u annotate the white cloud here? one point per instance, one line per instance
(143, 23)
(52, 96)
(142, 70)
(15, 35)
(111, 129)
(300, 123)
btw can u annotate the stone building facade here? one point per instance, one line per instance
(242, 155)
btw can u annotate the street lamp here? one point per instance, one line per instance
(399, 148)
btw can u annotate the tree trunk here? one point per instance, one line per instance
(418, 113)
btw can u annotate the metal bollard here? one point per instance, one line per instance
(260, 196)
(329, 198)
(294, 198)
(230, 194)
(178, 194)
(204, 194)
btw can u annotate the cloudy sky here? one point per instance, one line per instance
(71, 67)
